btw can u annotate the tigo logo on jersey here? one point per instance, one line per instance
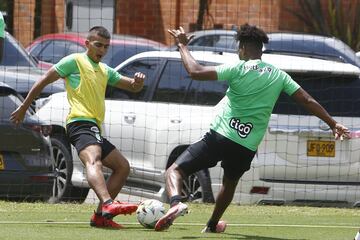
(243, 129)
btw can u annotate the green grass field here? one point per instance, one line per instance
(37, 221)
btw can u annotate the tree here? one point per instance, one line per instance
(333, 17)
(203, 14)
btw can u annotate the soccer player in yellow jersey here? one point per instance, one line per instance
(86, 79)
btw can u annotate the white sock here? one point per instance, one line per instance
(357, 237)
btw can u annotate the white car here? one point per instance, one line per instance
(297, 161)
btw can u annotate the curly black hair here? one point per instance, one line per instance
(251, 34)
(98, 30)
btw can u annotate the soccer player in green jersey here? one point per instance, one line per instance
(2, 35)
(236, 132)
(86, 79)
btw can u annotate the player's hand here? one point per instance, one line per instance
(18, 115)
(180, 36)
(340, 131)
(138, 82)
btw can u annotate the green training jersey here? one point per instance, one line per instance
(2, 26)
(254, 87)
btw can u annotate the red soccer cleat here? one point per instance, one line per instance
(166, 221)
(220, 227)
(97, 220)
(115, 208)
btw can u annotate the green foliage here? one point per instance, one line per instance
(332, 17)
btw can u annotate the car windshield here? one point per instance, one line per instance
(120, 52)
(218, 41)
(8, 104)
(15, 55)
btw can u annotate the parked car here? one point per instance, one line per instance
(15, 55)
(19, 70)
(26, 162)
(299, 44)
(154, 126)
(53, 47)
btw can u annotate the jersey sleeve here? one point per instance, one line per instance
(66, 66)
(2, 26)
(113, 76)
(290, 86)
(226, 72)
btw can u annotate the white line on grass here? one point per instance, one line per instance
(201, 224)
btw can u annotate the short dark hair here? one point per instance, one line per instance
(251, 34)
(100, 31)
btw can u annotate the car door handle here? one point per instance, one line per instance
(301, 132)
(176, 121)
(130, 118)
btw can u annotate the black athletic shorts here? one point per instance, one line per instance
(212, 148)
(84, 133)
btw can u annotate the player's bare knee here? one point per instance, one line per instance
(230, 183)
(94, 163)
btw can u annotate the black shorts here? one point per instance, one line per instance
(212, 148)
(84, 133)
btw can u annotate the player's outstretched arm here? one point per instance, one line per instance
(195, 70)
(132, 84)
(312, 106)
(51, 76)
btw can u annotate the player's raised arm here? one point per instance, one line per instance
(132, 84)
(51, 76)
(195, 70)
(311, 105)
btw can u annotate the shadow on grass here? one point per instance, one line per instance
(235, 236)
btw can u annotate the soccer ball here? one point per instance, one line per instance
(149, 212)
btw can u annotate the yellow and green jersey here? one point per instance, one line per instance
(86, 83)
(254, 87)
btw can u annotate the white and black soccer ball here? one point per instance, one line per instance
(149, 212)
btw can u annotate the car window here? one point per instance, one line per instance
(147, 66)
(219, 41)
(8, 104)
(337, 94)
(120, 52)
(36, 48)
(176, 86)
(14, 54)
(54, 51)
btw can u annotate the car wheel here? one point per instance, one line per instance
(197, 187)
(62, 189)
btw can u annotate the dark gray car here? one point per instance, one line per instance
(19, 70)
(26, 162)
(306, 45)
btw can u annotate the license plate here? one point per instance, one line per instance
(2, 163)
(320, 148)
